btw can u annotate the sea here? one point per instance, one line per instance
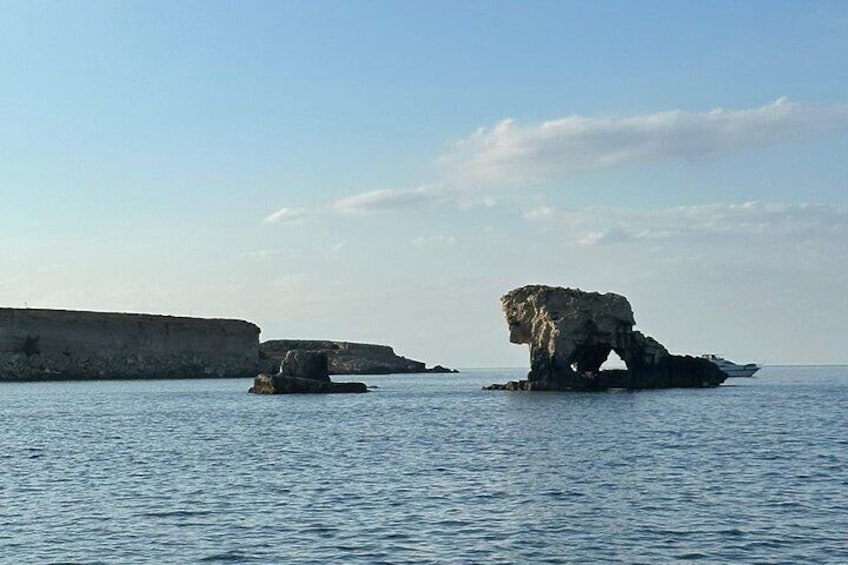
(426, 469)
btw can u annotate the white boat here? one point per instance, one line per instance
(730, 368)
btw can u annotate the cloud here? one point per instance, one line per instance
(611, 235)
(384, 200)
(290, 216)
(471, 203)
(434, 241)
(293, 281)
(511, 153)
(363, 203)
(540, 213)
(820, 222)
(262, 253)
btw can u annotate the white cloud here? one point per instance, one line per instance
(290, 216)
(434, 241)
(540, 213)
(511, 153)
(262, 253)
(821, 222)
(611, 235)
(363, 203)
(471, 203)
(383, 200)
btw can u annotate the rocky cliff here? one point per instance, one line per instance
(571, 333)
(60, 344)
(346, 358)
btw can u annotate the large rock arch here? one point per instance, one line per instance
(571, 333)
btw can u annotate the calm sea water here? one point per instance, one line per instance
(426, 469)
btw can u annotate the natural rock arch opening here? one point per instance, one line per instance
(591, 359)
(613, 362)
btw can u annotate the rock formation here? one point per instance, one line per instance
(38, 344)
(346, 358)
(571, 333)
(305, 365)
(302, 372)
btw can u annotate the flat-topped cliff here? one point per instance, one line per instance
(38, 344)
(347, 358)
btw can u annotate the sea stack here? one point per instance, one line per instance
(571, 333)
(302, 372)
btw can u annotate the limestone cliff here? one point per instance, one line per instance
(571, 333)
(40, 344)
(346, 358)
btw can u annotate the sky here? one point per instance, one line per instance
(385, 171)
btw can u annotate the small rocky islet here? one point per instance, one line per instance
(302, 371)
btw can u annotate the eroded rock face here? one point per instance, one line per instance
(41, 344)
(571, 333)
(306, 365)
(302, 372)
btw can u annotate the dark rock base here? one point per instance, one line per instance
(440, 369)
(281, 384)
(673, 371)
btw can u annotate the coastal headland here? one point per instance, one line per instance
(38, 344)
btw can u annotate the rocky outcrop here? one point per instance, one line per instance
(38, 344)
(571, 333)
(440, 369)
(346, 358)
(302, 372)
(305, 365)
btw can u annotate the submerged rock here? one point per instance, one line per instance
(571, 333)
(302, 372)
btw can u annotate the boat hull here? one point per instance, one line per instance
(742, 372)
(731, 369)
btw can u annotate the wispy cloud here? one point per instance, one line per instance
(434, 241)
(604, 225)
(384, 200)
(513, 153)
(509, 154)
(291, 215)
(363, 203)
(262, 253)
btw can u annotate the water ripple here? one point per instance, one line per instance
(430, 470)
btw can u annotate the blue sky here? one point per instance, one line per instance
(384, 171)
